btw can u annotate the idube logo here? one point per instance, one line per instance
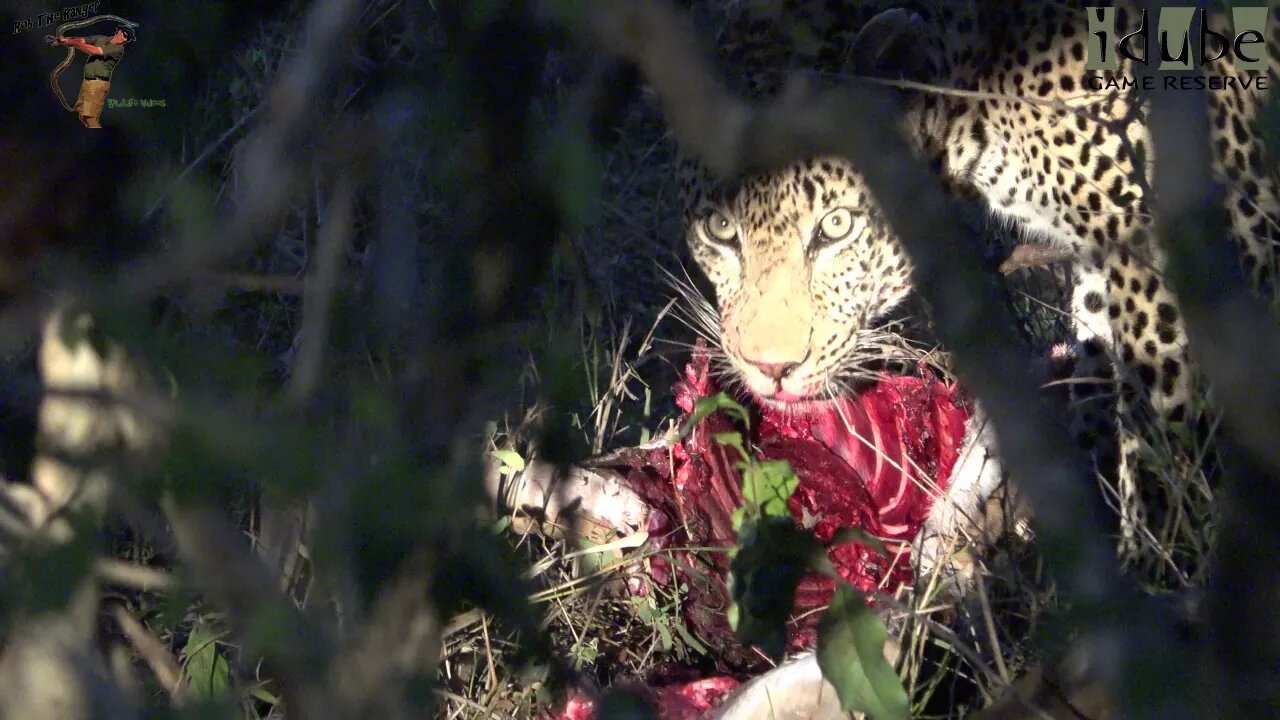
(1180, 43)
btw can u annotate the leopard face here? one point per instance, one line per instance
(803, 267)
(793, 302)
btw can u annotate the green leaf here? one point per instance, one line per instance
(772, 558)
(689, 640)
(858, 535)
(664, 635)
(732, 439)
(851, 654)
(592, 562)
(208, 673)
(510, 459)
(707, 405)
(644, 610)
(767, 485)
(577, 169)
(260, 693)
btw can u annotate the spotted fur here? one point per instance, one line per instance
(1064, 163)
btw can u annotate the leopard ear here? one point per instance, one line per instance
(891, 44)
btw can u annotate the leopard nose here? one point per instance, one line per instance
(775, 371)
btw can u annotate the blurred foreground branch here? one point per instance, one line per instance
(1236, 342)
(50, 667)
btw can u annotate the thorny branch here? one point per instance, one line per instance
(731, 136)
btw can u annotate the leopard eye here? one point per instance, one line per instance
(720, 228)
(836, 224)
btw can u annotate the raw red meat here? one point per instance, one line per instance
(867, 461)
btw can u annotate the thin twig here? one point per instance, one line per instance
(153, 652)
(136, 577)
(321, 284)
(992, 636)
(214, 148)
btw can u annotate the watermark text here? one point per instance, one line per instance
(56, 18)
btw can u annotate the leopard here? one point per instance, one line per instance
(999, 99)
